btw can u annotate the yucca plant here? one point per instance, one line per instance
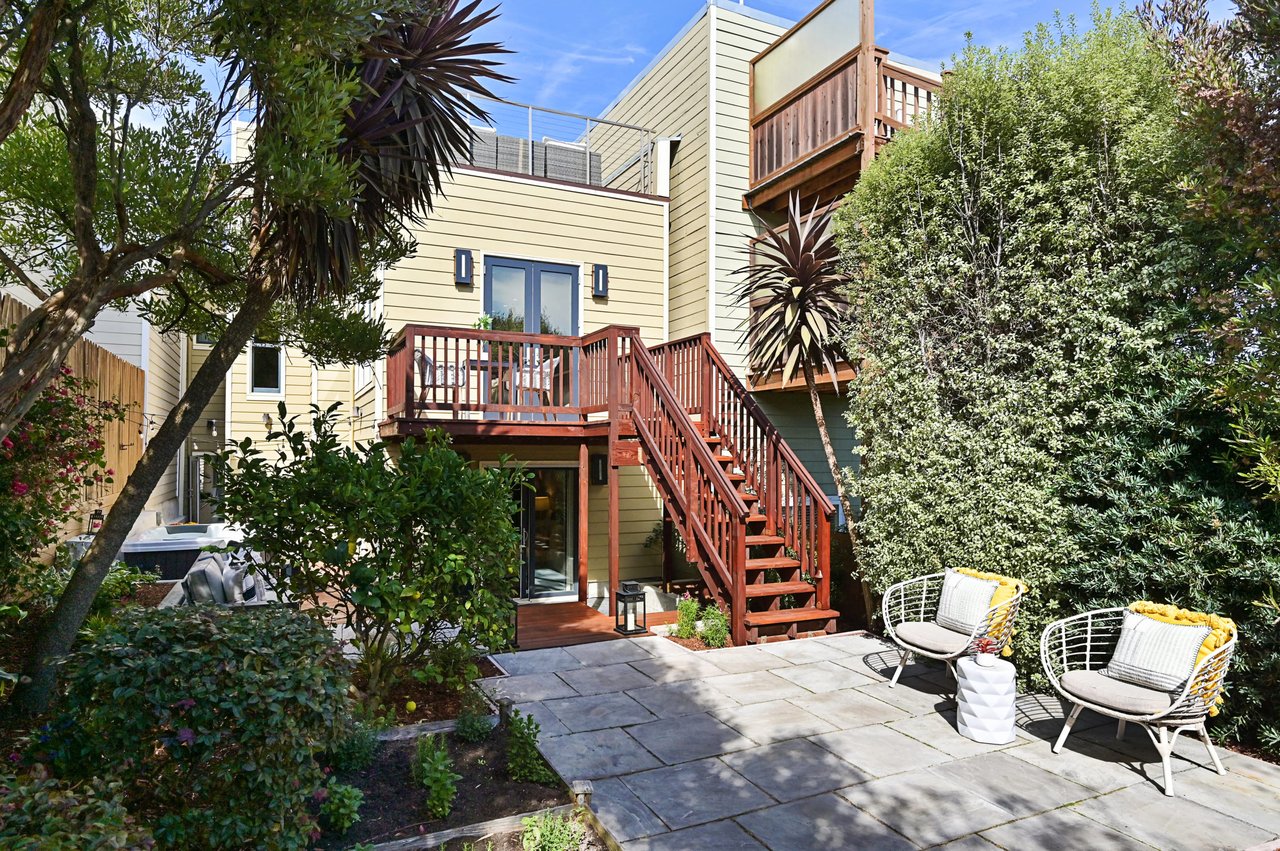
(794, 292)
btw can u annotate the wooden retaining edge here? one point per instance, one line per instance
(506, 824)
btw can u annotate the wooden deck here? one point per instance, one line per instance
(564, 624)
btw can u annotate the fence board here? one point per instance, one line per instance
(113, 378)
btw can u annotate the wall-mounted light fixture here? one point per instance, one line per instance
(600, 280)
(463, 267)
(266, 421)
(213, 428)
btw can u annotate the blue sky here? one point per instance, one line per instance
(576, 55)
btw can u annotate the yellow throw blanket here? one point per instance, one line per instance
(1221, 631)
(1007, 590)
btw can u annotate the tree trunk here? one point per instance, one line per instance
(868, 607)
(34, 692)
(42, 28)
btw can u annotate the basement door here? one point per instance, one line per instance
(548, 521)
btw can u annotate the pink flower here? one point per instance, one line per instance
(20, 488)
(6, 444)
(186, 736)
(320, 794)
(110, 472)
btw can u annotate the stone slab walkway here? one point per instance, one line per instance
(803, 745)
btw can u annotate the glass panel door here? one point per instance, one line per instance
(549, 532)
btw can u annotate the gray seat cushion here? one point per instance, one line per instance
(931, 637)
(203, 583)
(1097, 688)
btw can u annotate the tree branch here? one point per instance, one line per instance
(42, 28)
(8, 263)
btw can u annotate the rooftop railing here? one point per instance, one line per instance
(563, 146)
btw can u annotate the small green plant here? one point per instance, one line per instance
(474, 721)
(340, 806)
(43, 812)
(551, 832)
(432, 769)
(715, 626)
(524, 763)
(357, 747)
(686, 616)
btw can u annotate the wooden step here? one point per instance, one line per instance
(779, 563)
(765, 540)
(736, 477)
(724, 459)
(749, 498)
(757, 518)
(772, 589)
(712, 440)
(788, 616)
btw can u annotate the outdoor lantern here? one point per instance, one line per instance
(600, 280)
(213, 428)
(629, 609)
(463, 267)
(96, 517)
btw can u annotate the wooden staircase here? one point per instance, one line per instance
(756, 523)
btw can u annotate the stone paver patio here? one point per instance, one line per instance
(803, 745)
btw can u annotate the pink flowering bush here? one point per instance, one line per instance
(46, 464)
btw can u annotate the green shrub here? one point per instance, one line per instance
(1036, 395)
(119, 585)
(348, 528)
(209, 718)
(356, 746)
(686, 616)
(551, 832)
(341, 806)
(40, 813)
(475, 722)
(715, 626)
(524, 762)
(432, 769)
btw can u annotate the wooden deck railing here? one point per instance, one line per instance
(824, 111)
(707, 507)
(789, 495)
(435, 372)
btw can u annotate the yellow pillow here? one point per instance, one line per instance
(1005, 591)
(1221, 630)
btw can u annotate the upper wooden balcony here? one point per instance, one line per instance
(814, 134)
(499, 384)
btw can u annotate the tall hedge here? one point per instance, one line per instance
(1034, 397)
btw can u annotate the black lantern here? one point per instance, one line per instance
(96, 517)
(629, 609)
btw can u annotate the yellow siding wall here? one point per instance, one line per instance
(739, 38)
(201, 440)
(671, 99)
(164, 388)
(524, 219)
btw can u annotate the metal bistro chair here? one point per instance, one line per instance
(910, 609)
(1075, 649)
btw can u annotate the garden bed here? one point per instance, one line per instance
(696, 643)
(395, 806)
(513, 842)
(148, 594)
(431, 702)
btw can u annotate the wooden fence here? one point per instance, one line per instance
(113, 379)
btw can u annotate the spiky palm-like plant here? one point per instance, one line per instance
(794, 291)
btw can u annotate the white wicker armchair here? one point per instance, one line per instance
(1075, 649)
(909, 609)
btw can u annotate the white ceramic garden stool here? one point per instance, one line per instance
(985, 701)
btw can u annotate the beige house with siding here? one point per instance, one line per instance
(569, 304)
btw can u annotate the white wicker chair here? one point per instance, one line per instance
(909, 610)
(1083, 644)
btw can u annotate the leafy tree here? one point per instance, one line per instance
(795, 293)
(415, 554)
(358, 109)
(1228, 77)
(1035, 393)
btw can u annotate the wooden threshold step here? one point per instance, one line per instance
(777, 616)
(773, 589)
(765, 540)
